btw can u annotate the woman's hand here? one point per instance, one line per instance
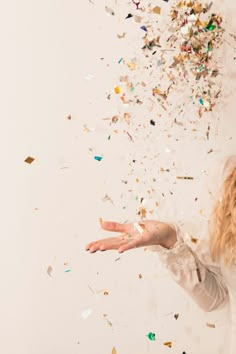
(133, 235)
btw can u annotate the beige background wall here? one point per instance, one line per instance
(50, 209)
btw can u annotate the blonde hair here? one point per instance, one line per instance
(222, 240)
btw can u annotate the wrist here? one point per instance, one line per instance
(171, 240)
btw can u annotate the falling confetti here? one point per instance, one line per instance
(211, 325)
(86, 313)
(109, 11)
(168, 344)
(156, 10)
(49, 270)
(117, 89)
(29, 159)
(98, 158)
(151, 336)
(113, 351)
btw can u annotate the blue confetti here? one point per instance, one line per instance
(144, 28)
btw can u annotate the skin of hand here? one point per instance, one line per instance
(153, 233)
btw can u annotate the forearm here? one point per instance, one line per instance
(203, 283)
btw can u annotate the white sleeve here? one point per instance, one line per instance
(194, 271)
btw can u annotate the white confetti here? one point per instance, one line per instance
(138, 227)
(86, 313)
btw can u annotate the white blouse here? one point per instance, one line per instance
(209, 284)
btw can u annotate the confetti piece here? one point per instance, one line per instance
(119, 61)
(129, 16)
(109, 11)
(29, 160)
(49, 270)
(107, 321)
(86, 313)
(107, 199)
(168, 344)
(117, 89)
(138, 227)
(184, 177)
(176, 316)
(140, 276)
(69, 117)
(132, 65)
(144, 28)
(89, 77)
(67, 270)
(211, 325)
(138, 19)
(136, 4)
(120, 36)
(113, 351)
(151, 336)
(98, 158)
(156, 10)
(194, 240)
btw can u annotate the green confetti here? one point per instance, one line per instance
(201, 68)
(210, 27)
(119, 61)
(68, 270)
(151, 336)
(109, 137)
(132, 89)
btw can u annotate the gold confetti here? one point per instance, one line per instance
(29, 159)
(114, 351)
(127, 117)
(156, 10)
(194, 240)
(132, 65)
(168, 344)
(211, 325)
(117, 89)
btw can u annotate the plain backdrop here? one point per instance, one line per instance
(60, 58)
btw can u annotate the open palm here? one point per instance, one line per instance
(133, 235)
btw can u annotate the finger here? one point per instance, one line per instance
(97, 244)
(115, 245)
(116, 227)
(135, 243)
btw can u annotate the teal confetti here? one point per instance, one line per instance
(109, 137)
(120, 60)
(151, 336)
(132, 89)
(98, 158)
(201, 101)
(68, 270)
